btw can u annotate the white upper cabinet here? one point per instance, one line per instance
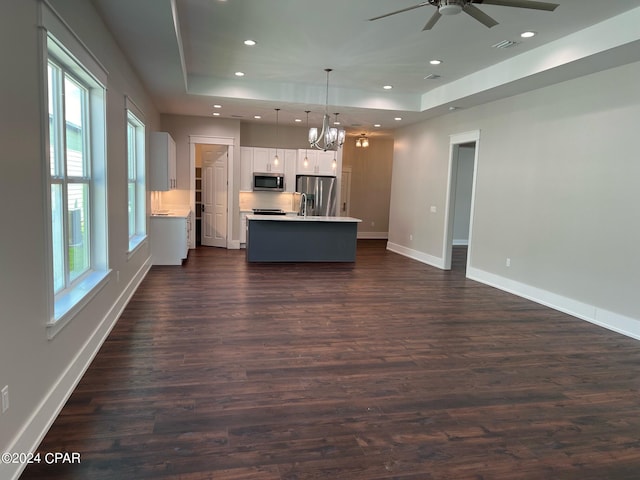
(290, 157)
(162, 156)
(327, 162)
(261, 160)
(264, 160)
(318, 162)
(246, 169)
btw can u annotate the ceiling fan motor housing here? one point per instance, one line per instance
(450, 7)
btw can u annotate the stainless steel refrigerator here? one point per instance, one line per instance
(320, 193)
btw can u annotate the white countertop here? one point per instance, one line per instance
(298, 218)
(172, 213)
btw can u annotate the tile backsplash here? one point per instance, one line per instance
(283, 200)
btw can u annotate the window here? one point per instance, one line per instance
(136, 191)
(70, 177)
(76, 163)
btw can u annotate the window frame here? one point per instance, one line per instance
(60, 46)
(135, 120)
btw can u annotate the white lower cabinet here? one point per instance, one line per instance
(243, 228)
(169, 239)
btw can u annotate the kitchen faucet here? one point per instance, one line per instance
(303, 204)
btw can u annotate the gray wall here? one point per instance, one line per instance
(41, 372)
(370, 183)
(557, 192)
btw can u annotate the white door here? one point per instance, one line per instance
(214, 195)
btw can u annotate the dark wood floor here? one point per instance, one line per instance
(386, 369)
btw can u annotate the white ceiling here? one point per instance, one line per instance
(187, 51)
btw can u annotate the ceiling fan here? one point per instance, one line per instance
(453, 7)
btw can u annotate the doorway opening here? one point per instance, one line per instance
(463, 160)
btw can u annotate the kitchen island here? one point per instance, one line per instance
(280, 238)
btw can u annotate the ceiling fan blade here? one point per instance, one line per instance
(432, 21)
(550, 7)
(421, 4)
(480, 16)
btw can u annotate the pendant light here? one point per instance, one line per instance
(276, 160)
(306, 158)
(362, 141)
(329, 138)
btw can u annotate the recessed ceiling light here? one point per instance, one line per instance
(250, 43)
(388, 87)
(297, 120)
(217, 106)
(377, 125)
(435, 62)
(397, 119)
(528, 34)
(216, 114)
(257, 117)
(239, 74)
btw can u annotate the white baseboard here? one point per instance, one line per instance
(373, 235)
(233, 245)
(624, 325)
(38, 425)
(416, 255)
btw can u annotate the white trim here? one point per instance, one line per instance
(613, 321)
(52, 22)
(373, 235)
(130, 105)
(75, 299)
(416, 255)
(230, 143)
(616, 322)
(454, 141)
(460, 242)
(37, 426)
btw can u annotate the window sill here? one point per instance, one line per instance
(135, 243)
(67, 306)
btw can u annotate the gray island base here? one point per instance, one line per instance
(301, 239)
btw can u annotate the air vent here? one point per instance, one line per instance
(432, 76)
(237, 116)
(505, 44)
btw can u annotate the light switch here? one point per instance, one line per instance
(433, 209)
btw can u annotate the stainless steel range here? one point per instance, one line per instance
(268, 211)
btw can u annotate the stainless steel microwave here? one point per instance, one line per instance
(268, 182)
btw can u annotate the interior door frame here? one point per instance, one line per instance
(229, 142)
(347, 201)
(455, 141)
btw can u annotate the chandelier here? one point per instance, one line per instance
(362, 141)
(329, 138)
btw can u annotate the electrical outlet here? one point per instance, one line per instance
(5, 398)
(508, 262)
(410, 237)
(373, 224)
(433, 209)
